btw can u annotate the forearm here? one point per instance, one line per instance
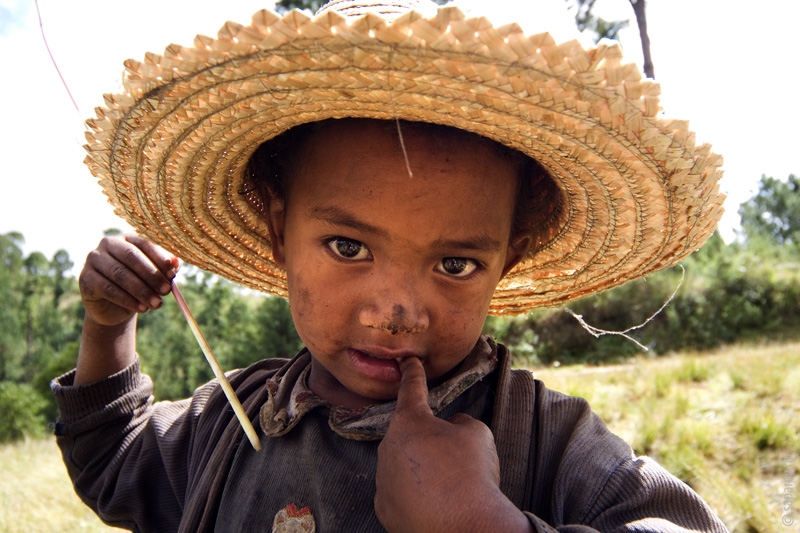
(105, 350)
(118, 451)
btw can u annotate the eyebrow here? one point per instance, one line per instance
(336, 216)
(339, 217)
(479, 243)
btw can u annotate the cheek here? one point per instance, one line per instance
(317, 308)
(475, 301)
(303, 303)
(460, 320)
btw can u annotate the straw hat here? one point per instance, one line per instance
(170, 151)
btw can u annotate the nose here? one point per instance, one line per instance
(395, 310)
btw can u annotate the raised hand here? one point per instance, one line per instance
(125, 275)
(435, 475)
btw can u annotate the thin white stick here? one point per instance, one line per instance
(597, 332)
(403, 146)
(226, 386)
(399, 131)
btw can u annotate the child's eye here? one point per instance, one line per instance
(458, 267)
(348, 249)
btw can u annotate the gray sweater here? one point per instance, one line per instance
(186, 466)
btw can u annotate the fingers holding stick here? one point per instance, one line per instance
(125, 275)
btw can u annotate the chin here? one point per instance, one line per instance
(379, 396)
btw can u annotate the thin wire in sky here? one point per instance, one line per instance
(47, 46)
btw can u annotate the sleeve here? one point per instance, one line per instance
(127, 456)
(640, 497)
(587, 479)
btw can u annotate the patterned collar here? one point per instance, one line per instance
(289, 397)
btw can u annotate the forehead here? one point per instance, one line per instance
(402, 155)
(416, 147)
(436, 137)
(417, 180)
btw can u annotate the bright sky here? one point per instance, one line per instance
(731, 70)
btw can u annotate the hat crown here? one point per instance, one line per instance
(388, 9)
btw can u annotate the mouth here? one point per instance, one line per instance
(378, 365)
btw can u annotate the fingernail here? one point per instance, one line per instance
(142, 308)
(155, 302)
(164, 288)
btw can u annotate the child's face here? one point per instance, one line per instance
(381, 265)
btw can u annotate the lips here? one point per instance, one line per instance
(379, 365)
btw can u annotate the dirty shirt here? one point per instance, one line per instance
(186, 466)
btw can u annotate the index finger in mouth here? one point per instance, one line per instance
(413, 393)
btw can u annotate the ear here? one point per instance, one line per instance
(517, 249)
(276, 222)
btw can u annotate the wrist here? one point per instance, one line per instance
(504, 516)
(494, 512)
(105, 350)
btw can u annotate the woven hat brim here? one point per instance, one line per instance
(171, 152)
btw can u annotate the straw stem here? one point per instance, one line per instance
(226, 386)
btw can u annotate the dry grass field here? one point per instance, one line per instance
(36, 495)
(726, 422)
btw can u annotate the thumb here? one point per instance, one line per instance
(461, 418)
(413, 394)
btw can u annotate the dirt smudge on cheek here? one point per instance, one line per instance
(305, 297)
(301, 300)
(304, 303)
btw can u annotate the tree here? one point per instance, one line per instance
(12, 346)
(313, 5)
(36, 270)
(641, 21)
(21, 407)
(609, 29)
(773, 213)
(286, 5)
(60, 265)
(274, 332)
(240, 328)
(603, 29)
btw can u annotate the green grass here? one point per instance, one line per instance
(725, 422)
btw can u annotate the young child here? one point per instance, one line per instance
(397, 176)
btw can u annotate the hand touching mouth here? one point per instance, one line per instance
(378, 364)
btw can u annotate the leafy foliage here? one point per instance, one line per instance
(586, 20)
(310, 5)
(601, 28)
(774, 212)
(21, 406)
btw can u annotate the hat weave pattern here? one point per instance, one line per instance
(170, 152)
